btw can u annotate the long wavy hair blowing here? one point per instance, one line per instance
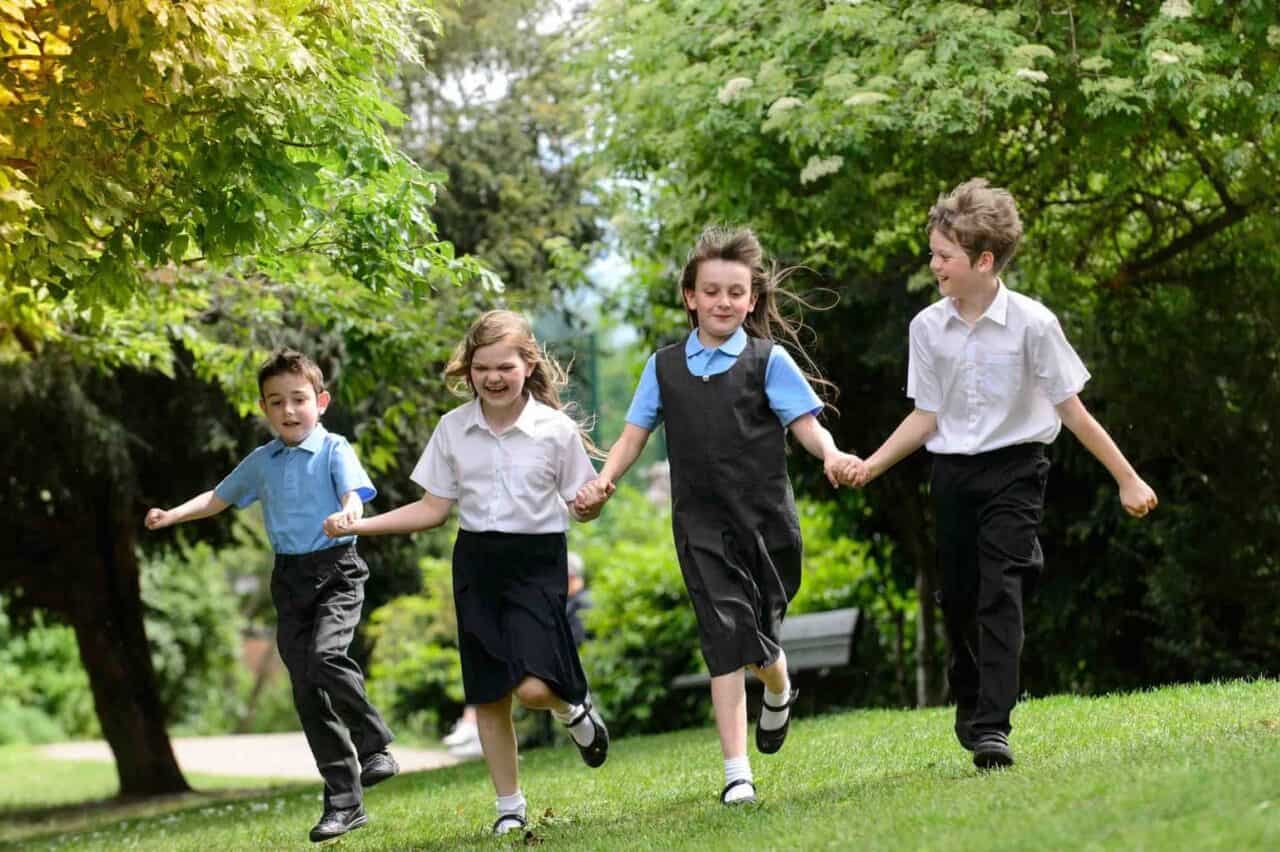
(766, 320)
(543, 384)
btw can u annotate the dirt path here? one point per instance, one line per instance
(250, 755)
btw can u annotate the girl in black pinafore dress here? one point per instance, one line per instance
(728, 395)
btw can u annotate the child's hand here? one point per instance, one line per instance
(592, 496)
(157, 519)
(843, 469)
(1137, 497)
(342, 523)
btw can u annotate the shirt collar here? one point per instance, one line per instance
(526, 422)
(732, 347)
(312, 443)
(997, 311)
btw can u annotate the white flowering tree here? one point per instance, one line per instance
(1139, 139)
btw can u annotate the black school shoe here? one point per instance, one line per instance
(594, 752)
(991, 751)
(508, 822)
(337, 822)
(746, 800)
(377, 768)
(769, 741)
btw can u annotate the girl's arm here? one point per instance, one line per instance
(910, 436)
(1136, 496)
(431, 511)
(200, 506)
(622, 455)
(815, 438)
(352, 510)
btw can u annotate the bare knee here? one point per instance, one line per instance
(535, 694)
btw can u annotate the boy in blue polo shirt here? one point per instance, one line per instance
(303, 477)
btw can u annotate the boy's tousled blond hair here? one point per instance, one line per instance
(979, 217)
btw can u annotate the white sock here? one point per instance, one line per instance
(513, 804)
(583, 732)
(771, 720)
(736, 768)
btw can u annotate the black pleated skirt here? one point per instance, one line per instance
(510, 591)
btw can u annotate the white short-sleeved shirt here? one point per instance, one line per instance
(517, 482)
(994, 384)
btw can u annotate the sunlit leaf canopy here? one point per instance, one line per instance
(160, 160)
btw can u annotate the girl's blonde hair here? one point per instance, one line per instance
(766, 321)
(543, 384)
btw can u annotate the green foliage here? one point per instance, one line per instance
(46, 694)
(193, 626)
(1140, 141)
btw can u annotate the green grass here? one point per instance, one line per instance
(1178, 768)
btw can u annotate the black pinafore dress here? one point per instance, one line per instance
(733, 514)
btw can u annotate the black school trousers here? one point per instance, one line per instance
(318, 597)
(988, 508)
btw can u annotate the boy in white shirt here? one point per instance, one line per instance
(993, 379)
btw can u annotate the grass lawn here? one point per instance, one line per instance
(1179, 768)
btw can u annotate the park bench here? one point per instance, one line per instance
(817, 642)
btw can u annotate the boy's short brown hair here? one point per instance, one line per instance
(978, 217)
(283, 361)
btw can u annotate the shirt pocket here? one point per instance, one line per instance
(1000, 374)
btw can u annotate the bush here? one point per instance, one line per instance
(193, 626)
(46, 691)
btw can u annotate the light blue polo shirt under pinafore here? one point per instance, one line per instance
(790, 395)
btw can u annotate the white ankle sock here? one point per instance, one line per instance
(583, 732)
(513, 804)
(769, 719)
(736, 768)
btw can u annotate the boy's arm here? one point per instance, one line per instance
(910, 436)
(200, 506)
(816, 438)
(1135, 495)
(431, 511)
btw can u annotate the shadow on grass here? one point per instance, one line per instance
(22, 825)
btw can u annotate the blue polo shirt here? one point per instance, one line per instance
(299, 487)
(789, 393)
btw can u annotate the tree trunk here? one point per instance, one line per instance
(107, 616)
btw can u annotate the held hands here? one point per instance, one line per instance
(845, 469)
(158, 519)
(592, 497)
(344, 522)
(1137, 497)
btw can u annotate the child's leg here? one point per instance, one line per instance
(337, 616)
(729, 699)
(584, 725)
(778, 696)
(498, 739)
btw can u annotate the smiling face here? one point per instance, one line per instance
(958, 278)
(497, 375)
(292, 406)
(721, 299)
